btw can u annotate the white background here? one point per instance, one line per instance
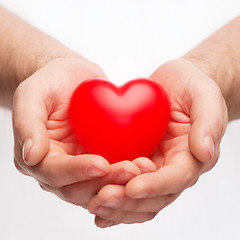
(128, 39)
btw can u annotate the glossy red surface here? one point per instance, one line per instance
(119, 123)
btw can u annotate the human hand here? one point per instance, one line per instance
(190, 147)
(45, 147)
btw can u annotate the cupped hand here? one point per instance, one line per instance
(45, 146)
(190, 147)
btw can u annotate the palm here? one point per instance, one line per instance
(48, 92)
(180, 84)
(174, 143)
(197, 108)
(62, 139)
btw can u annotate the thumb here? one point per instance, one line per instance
(29, 123)
(209, 119)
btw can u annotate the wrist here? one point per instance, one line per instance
(24, 50)
(220, 66)
(26, 63)
(22, 66)
(218, 56)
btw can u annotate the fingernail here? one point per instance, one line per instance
(95, 172)
(26, 150)
(208, 142)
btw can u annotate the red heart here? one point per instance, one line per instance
(119, 123)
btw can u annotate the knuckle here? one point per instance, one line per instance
(219, 124)
(189, 180)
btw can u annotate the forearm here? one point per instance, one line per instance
(219, 57)
(23, 50)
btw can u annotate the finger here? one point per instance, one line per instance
(80, 193)
(209, 119)
(18, 161)
(181, 173)
(29, 123)
(123, 217)
(114, 197)
(58, 171)
(145, 164)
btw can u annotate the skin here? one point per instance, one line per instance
(38, 81)
(181, 157)
(38, 76)
(48, 150)
(203, 88)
